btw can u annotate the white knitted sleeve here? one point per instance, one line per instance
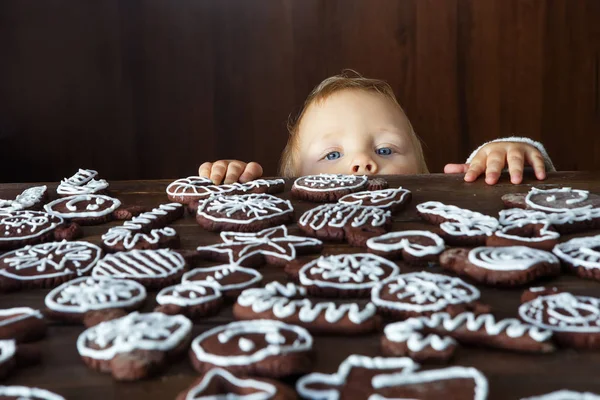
(537, 145)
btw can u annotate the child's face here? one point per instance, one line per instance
(355, 132)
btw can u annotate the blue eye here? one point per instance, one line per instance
(384, 151)
(334, 155)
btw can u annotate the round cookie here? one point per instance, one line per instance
(290, 304)
(230, 279)
(338, 222)
(29, 199)
(575, 320)
(136, 345)
(389, 199)
(87, 209)
(581, 255)
(46, 265)
(345, 275)
(423, 293)
(22, 324)
(414, 247)
(194, 300)
(186, 190)
(244, 213)
(327, 187)
(82, 183)
(27, 393)
(152, 268)
(219, 383)
(501, 266)
(72, 300)
(260, 347)
(20, 228)
(524, 228)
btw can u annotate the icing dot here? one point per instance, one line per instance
(246, 345)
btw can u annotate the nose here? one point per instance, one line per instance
(364, 166)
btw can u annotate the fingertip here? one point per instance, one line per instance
(516, 179)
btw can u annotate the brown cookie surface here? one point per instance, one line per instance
(581, 255)
(84, 209)
(22, 324)
(389, 199)
(20, 228)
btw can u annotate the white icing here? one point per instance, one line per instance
(137, 264)
(189, 294)
(244, 209)
(271, 329)
(330, 182)
(518, 218)
(16, 314)
(384, 198)
(403, 242)
(94, 293)
(51, 260)
(338, 215)
(565, 395)
(347, 271)
(569, 216)
(263, 390)
(76, 210)
(423, 292)
(563, 312)
(286, 301)
(199, 187)
(27, 199)
(218, 273)
(28, 393)
(340, 378)
(135, 331)
(580, 252)
(461, 222)
(30, 224)
(274, 242)
(82, 182)
(8, 348)
(510, 258)
(561, 197)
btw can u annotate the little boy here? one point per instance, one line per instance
(354, 125)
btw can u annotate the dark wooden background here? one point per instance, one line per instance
(151, 88)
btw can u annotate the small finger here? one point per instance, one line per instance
(218, 172)
(234, 170)
(495, 164)
(476, 168)
(253, 171)
(204, 170)
(456, 168)
(516, 162)
(536, 160)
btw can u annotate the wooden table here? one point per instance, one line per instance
(510, 375)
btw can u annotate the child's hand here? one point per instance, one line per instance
(231, 170)
(492, 158)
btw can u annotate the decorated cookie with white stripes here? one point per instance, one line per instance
(21, 228)
(230, 279)
(262, 347)
(575, 320)
(136, 345)
(350, 222)
(29, 199)
(289, 303)
(524, 228)
(423, 293)
(243, 213)
(581, 255)
(501, 266)
(22, 324)
(414, 247)
(82, 182)
(393, 199)
(146, 231)
(219, 383)
(27, 393)
(72, 300)
(565, 395)
(85, 209)
(152, 268)
(194, 300)
(327, 187)
(194, 188)
(346, 275)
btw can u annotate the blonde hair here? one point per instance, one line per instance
(348, 79)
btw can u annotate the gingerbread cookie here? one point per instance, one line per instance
(244, 213)
(152, 268)
(29, 199)
(565, 395)
(22, 324)
(27, 393)
(259, 347)
(271, 245)
(146, 231)
(581, 255)
(423, 293)
(85, 209)
(524, 228)
(537, 291)
(73, 300)
(82, 182)
(434, 337)
(219, 383)
(338, 222)
(20, 228)
(194, 300)
(575, 320)
(389, 199)
(46, 265)
(327, 187)
(501, 266)
(288, 303)
(377, 183)
(230, 279)
(194, 188)
(458, 226)
(345, 275)
(414, 247)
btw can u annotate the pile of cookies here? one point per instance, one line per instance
(423, 317)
